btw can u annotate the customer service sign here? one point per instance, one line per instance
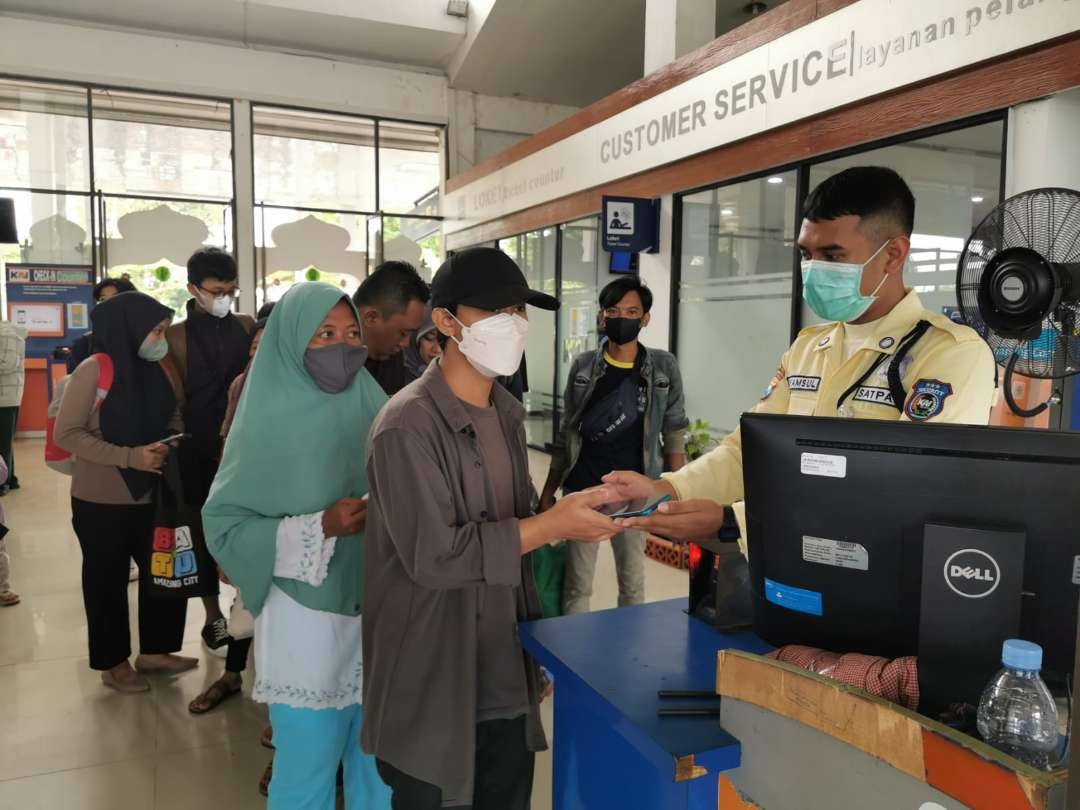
(868, 48)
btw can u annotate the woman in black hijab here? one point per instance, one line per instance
(116, 442)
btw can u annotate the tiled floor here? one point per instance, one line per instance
(67, 743)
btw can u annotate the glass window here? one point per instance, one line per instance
(314, 160)
(160, 145)
(410, 161)
(956, 179)
(579, 289)
(52, 228)
(149, 241)
(413, 240)
(535, 254)
(44, 136)
(294, 246)
(735, 294)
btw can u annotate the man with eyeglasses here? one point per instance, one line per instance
(208, 350)
(624, 410)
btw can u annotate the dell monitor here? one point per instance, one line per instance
(894, 539)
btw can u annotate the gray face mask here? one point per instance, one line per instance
(334, 367)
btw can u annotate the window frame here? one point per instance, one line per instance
(802, 173)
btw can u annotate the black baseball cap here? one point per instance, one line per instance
(485, 278)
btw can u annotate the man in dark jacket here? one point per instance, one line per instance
(624, 411)
(208, 351)
(391, 305)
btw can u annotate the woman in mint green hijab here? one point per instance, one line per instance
(285, 521)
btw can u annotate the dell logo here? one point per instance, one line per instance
(972, 573)
(983, 575)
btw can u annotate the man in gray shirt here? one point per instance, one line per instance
(450, 698)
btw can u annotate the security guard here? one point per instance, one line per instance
(880, 354)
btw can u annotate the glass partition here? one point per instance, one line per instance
(162, 145)
(410, 161)
(735, 294)
(53, 228)
(313, 160)
(44, 136)
(579, 289)
(956, 180)
(414, 240)
(149, 241)
(293, 245)
(535, 254)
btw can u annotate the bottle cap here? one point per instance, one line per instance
(1023, 655)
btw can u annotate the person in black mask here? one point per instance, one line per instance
(208, 350)
(118, 453)
(624, 409)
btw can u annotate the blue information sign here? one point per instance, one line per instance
(631, 224)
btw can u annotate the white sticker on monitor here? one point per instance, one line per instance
(1076, 570)
(827, 466)
(835, 553)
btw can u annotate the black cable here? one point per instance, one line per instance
(1010, 401)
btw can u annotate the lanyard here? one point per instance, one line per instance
(896, 386)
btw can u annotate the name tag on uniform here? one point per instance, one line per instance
(800, 383)
(873, 394)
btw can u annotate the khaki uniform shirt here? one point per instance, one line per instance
(948, 375)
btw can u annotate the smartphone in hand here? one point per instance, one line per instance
(650, 507)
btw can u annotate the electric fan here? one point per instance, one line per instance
(1018, 286)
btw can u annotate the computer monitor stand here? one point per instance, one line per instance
(972, 581)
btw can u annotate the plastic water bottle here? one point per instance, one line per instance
(1017, 713)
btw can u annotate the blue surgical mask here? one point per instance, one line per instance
(832, 289)
(153, 350)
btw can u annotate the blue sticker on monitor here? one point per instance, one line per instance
(792, 598)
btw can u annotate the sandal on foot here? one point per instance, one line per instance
(172, 666)
(9, 599)
(213, 697)
(266, 739)
(268, 774)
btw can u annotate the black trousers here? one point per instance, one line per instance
(109, 536)
(9, 418)
(503, 778)
(237, 654)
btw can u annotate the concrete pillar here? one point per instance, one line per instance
(461, 131)
(672, 28)
(1041, 149)
(244, 211)
(676, 27)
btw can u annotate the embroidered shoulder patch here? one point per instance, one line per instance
(927, 399)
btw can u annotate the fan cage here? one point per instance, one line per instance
(1048, 222)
